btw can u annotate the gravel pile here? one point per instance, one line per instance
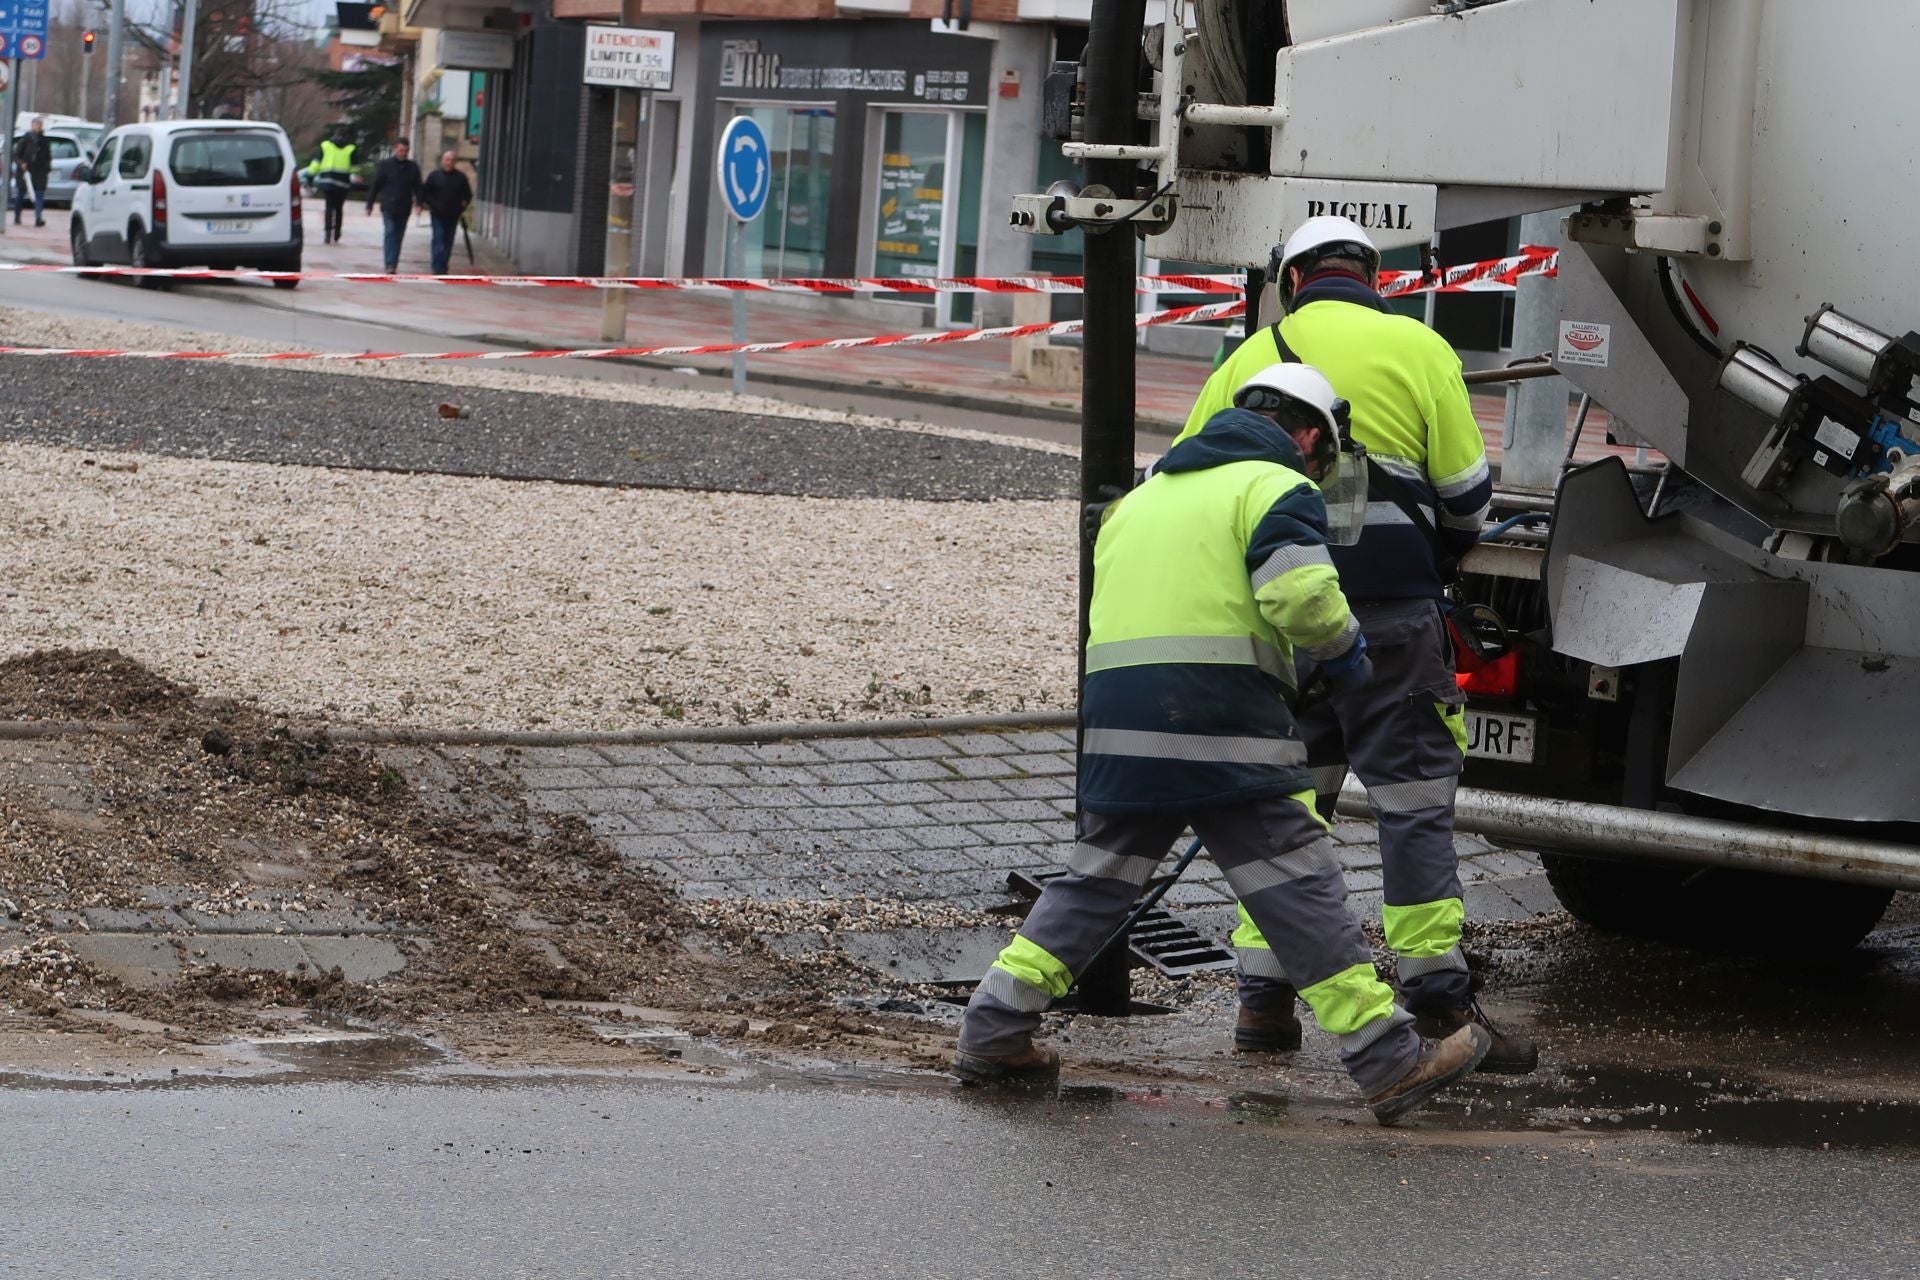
(77, 387)
(442, 601)
(277, 414)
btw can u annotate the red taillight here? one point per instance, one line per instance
(294, 188)
(159, 200)
(1499, 678)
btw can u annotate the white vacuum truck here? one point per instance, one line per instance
(1703, 680)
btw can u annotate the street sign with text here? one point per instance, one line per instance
(23, 29)
(626, 58)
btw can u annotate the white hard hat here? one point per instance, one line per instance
(1318, 238)
(1299, 386)
(1301, 393)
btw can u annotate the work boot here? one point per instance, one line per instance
(1031, 1065)
(1275, 1030)
(1440, 1063)
(1509, 1055)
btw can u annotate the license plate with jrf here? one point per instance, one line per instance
(1499, 735)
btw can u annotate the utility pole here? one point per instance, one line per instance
(186, 62)
(1536, 426)
(116, 40)
(11, 87)
(86, 72)
(1107, 355)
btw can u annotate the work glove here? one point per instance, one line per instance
(1094, 513)
(1351, 671)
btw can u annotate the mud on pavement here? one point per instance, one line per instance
(192, 884)
(158, 878)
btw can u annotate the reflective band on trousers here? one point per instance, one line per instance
(1411, 797)
(1238, 651)
(1417, 966)
(1199, 747)
(1259, 962)
(1090, 861)
(1327, 778)
(1249, 878)
(1287, 559)
(1365, 1037)
(1013, 993)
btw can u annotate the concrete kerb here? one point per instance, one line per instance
(403, 735)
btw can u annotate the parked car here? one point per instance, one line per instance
(191, 193)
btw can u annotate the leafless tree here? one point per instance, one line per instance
(241, 49)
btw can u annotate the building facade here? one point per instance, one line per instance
(897, 138)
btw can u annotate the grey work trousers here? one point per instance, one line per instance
(1402, 735)
(1276, 856)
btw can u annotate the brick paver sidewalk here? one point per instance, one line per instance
(907, 817)
(912, 818)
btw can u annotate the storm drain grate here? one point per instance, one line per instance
(1160, 939)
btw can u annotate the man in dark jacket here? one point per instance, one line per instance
(446, 195)
(396, 188)
(34, 160)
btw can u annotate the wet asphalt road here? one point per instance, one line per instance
(629, 1178)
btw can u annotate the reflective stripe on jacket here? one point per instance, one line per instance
(1411, 411)
(1206, 578)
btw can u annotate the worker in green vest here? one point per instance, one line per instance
(332, 173)
(1404, 734)
(1210, 580)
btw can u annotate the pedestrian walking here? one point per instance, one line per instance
(33, 162)
(332, 174)
(445, 195)
(1207, 578)
(396, 189)
(1403, 733)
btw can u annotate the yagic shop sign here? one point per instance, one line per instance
(629, 58)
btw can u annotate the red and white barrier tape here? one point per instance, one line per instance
(1498, 274)
(1176, 315)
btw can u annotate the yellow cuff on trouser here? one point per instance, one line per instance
(1035, 966)
(1350, 1000)
(1425, 928)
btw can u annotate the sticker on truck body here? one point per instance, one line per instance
(1582, 342)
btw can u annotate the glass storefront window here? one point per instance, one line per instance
(790, 236)
(966, 248)
(912, 196)
(796, 218)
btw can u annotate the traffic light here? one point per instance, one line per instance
(86, 42)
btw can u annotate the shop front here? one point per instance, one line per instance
(878, 133)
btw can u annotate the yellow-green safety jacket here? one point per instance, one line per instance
(1410, 410)
(334, 158)
(333, 167)
(1206, 578)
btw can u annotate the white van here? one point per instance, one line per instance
(191, 193)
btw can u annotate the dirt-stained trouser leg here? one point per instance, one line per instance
(1404, 737)
(1276, 855)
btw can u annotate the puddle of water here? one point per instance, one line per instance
(1699, 1106)
(348, 1056)
(1265, 1107)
